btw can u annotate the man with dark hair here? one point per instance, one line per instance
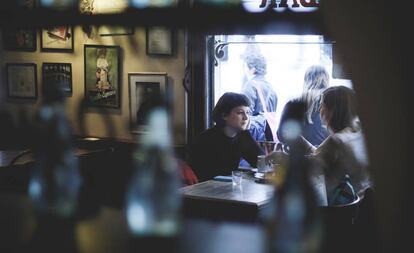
(218, 150)
(263, 98)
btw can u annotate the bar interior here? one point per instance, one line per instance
(205, 126)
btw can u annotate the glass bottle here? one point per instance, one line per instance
(153, 200)
(55, 182)
(295, 226)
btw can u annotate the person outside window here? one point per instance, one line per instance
(316, 80)
(263, 98)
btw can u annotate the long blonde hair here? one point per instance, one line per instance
(316, 80)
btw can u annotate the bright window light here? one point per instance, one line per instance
(287, 56)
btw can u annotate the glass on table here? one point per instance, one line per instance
(237, 177)
(266, 146)
(262, 165)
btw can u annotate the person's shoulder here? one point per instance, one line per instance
(208, 133)
(348, 134)
(245, 134)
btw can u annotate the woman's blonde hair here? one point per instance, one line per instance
(315, 81)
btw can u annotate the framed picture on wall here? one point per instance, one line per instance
(106, 30)
(19, 39)
(102, 76)
(21, 80)
(57, 39)
(58, 74)
(145, 90)
(159, 41)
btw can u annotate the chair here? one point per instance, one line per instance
(187, 174)
(367, 226)
(20, 155)
(338, 223)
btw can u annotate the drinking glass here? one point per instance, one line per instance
(237, 176)
(262, 165)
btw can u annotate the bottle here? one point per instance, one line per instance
(295, 226)
(153, 200)
(55, 182)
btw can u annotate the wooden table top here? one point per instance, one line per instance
(250, 192)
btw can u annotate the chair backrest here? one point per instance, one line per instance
(20, 155)
(339, 228)
(341, 214)
(187, 174)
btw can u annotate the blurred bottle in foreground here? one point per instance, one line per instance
(55, 181)
(295, 224)
(153, 200)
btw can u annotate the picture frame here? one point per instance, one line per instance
(106, 30)
(58, 74)
(21, 80)
(159, 41)
(57, 39)
(15, 39)
(145, 89)
(102, 76)
(24, 4)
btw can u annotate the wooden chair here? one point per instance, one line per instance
(367, 227)
(188, 177)
(338, 223)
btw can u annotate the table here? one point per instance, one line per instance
(222, 200)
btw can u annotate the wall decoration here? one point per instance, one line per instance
(102, 75)
(58, 74)
(57, 38)
(106, 30)
(145, 90)
(159, 41)
(19, 39)
(21, 80)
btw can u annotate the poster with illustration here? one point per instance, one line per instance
(102, 75)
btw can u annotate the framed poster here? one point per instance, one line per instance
(159, 41)
(58, 74)
(21, 80)
(57, 39)
(19, 39)
(145, 90)
(102, 76)
(106, 30)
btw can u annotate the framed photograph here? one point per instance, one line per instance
(58, 74)
(145, 90)
(26, 4)
(102, 76)
(21, 80)
(159, 41)
(57, 39)
(19, 39)
(106, 30)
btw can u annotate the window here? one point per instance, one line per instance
(287, 57)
